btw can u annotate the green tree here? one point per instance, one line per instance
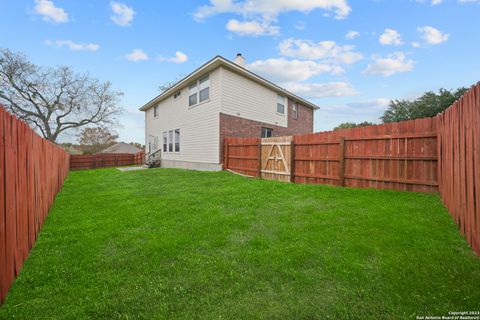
(428, 105)
(348, 125)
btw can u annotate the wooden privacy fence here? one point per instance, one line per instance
(276, 158)
(32, 171)
(242, 155)
(401, 156)
(459, 163)
(104, 160)
(431, 154)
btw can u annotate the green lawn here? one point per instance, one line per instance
(166, 243)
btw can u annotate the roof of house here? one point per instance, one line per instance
(121, 147)
(221, 61)
(72, 150)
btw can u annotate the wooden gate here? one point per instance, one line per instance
(276, 162)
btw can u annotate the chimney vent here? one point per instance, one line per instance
(240, 60)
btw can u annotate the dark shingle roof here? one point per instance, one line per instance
(121, 147)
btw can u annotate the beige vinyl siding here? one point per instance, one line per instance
(245, 98)
(199, 129)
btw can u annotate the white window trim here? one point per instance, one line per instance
(284, 107)
(177, 95)
(198, 92)
(167, 132)
(199, 104)
(267, 128)
(155, 107)
(165, 145)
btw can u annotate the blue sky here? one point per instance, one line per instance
(349, 57)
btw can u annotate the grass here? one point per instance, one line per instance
(166, 243)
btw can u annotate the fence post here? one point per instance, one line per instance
(341, 167)
(225, 161)
(292, 160)
(260, 158)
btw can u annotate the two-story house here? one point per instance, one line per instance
(189, 121)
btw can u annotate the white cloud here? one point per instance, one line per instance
(136, 55)
(326, 50)
(415, 44)
(432, 36)
(371, 106)
(252, 28)
(393, 63)
(122, 14)
(359, 111)
(390, 37)
(50, 12)
(435, 2)
(179, 57)
(432, 2)
(282, 70)
(300, 25)
(73, 45)
(352, 34)
(320, 90)
(268, 8)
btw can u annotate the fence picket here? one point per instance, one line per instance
(32, 171)
(105, 160)
(432, 154)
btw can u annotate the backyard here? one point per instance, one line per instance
(166, 243)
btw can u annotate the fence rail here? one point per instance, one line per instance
(459, 163)
(401, 156)
(432, 154)
(104, 160)
(32, 171)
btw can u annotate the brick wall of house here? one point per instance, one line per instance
(304, 122)
(232, 126)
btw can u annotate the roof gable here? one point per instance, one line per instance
(121, 147)
(214, 64)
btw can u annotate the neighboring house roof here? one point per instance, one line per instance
(121, 147)
(72, 150)
(221, 61)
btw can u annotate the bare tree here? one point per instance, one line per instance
(94, 140)
(55, 100)
(168, 84)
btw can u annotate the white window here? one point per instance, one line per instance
(177, 140)
(280, 104)
(295, 111)
(192, 94)
(155, 111)
(177, 95)
(199, 91)
(165, 142)
(267, 133)
(170, 141)
(204, 84)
